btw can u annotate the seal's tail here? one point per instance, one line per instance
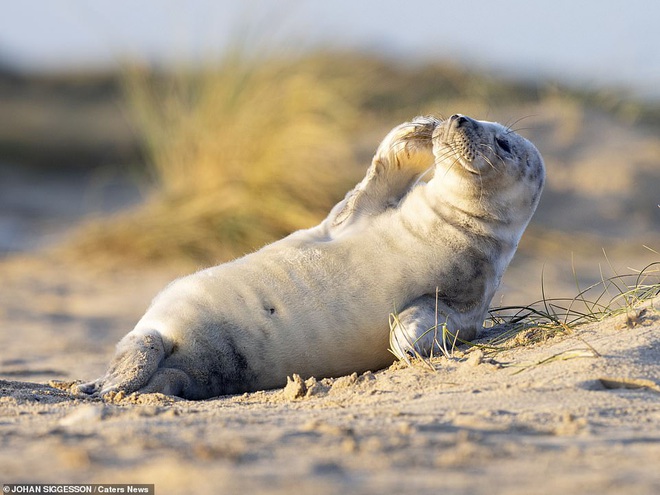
(136, 360)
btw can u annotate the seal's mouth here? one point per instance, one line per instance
(458, 136)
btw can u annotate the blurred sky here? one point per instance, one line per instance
(594, 43)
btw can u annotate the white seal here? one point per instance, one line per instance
(318, 302)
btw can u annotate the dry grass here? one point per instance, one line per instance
(241, 155)
(612, 296)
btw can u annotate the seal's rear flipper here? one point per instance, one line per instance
(136, 360)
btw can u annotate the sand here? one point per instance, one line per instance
(577, 413)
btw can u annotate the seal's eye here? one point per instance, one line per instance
(503, 143)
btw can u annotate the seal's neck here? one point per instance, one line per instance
(501, 207)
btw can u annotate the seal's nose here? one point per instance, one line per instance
(457, 120)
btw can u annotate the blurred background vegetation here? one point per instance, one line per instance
(225, 158)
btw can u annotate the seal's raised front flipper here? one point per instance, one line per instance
(136, 360)
(401, 158)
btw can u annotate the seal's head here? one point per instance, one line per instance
(490, 167)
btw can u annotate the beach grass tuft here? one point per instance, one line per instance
(241, 154)
(517, 326)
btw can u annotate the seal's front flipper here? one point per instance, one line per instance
(401, 158)
(136, 360)
(422, 329)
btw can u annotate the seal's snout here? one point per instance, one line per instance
(456, 126)
(458, 136)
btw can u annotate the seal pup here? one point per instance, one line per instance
(317, 302)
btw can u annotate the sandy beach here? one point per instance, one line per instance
(578, 413)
